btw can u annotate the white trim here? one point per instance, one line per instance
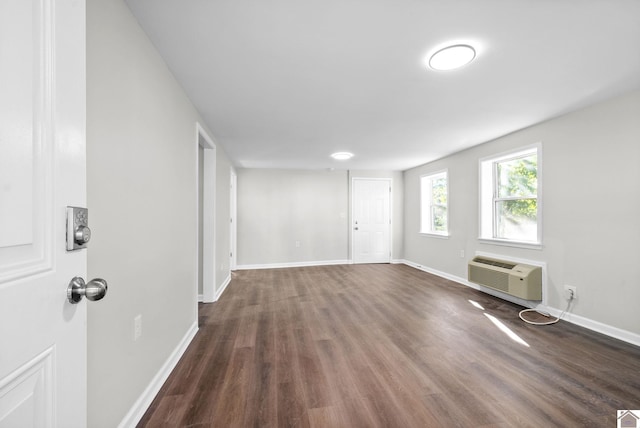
(512, 153)
(507, 243)
(614, 332)
(484, 189)
(295, 264)
(200, 132)
(463, 281)
(233, 228)
(597, 326)
(209, 214)
(218, 293)
(430, 176)
(143, 402)
(435, 235)
(222, 288)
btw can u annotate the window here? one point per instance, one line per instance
(509, 192)
(434, 203)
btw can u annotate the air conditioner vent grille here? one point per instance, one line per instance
(493, 279)
(491, 262)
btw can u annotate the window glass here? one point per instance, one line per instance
(434, 204)
(517, 177)
(509, 193)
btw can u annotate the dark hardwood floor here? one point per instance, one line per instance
(387, 346)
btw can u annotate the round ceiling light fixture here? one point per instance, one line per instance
(342, 156)
(452, 57)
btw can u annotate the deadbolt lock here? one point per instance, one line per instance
(82, 235)
(78, 232)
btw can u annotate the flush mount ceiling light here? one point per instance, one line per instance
(342, 155)
(452, 57)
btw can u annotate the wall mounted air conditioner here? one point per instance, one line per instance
(520, 280)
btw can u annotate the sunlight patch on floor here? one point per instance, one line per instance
(476, 304)
(506, 330)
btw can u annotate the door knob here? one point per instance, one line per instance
(94, 290)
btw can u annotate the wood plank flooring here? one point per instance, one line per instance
(387, 346)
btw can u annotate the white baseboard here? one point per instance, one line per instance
(616, 333)
(222, 288)
(597, 326)
(141, 405)
(440, 273)
(463, 281)
(295, 264)
(219, 292)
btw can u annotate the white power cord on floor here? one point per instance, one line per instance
(546, 314)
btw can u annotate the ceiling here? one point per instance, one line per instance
(285, 83)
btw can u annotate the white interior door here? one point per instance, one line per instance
(371, 220)
(42, 170)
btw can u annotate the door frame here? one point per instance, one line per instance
(233, 213)
(208, 215)
(352, 211)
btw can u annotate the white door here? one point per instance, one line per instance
(371, 220)
(42, 170)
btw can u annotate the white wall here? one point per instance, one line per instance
(142, 175)
(591, 206)
(277, 208)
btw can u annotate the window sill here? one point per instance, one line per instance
(506, 243)
(435, 235)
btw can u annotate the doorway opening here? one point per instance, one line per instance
(233, 228)
(206, 186)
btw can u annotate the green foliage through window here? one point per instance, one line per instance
(516, 201)
(434, 203)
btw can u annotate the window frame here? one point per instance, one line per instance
(428, 204)
(488, 197)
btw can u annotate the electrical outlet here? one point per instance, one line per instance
(568, 289)
(297, 244)
(462, 254)
(137, 327)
